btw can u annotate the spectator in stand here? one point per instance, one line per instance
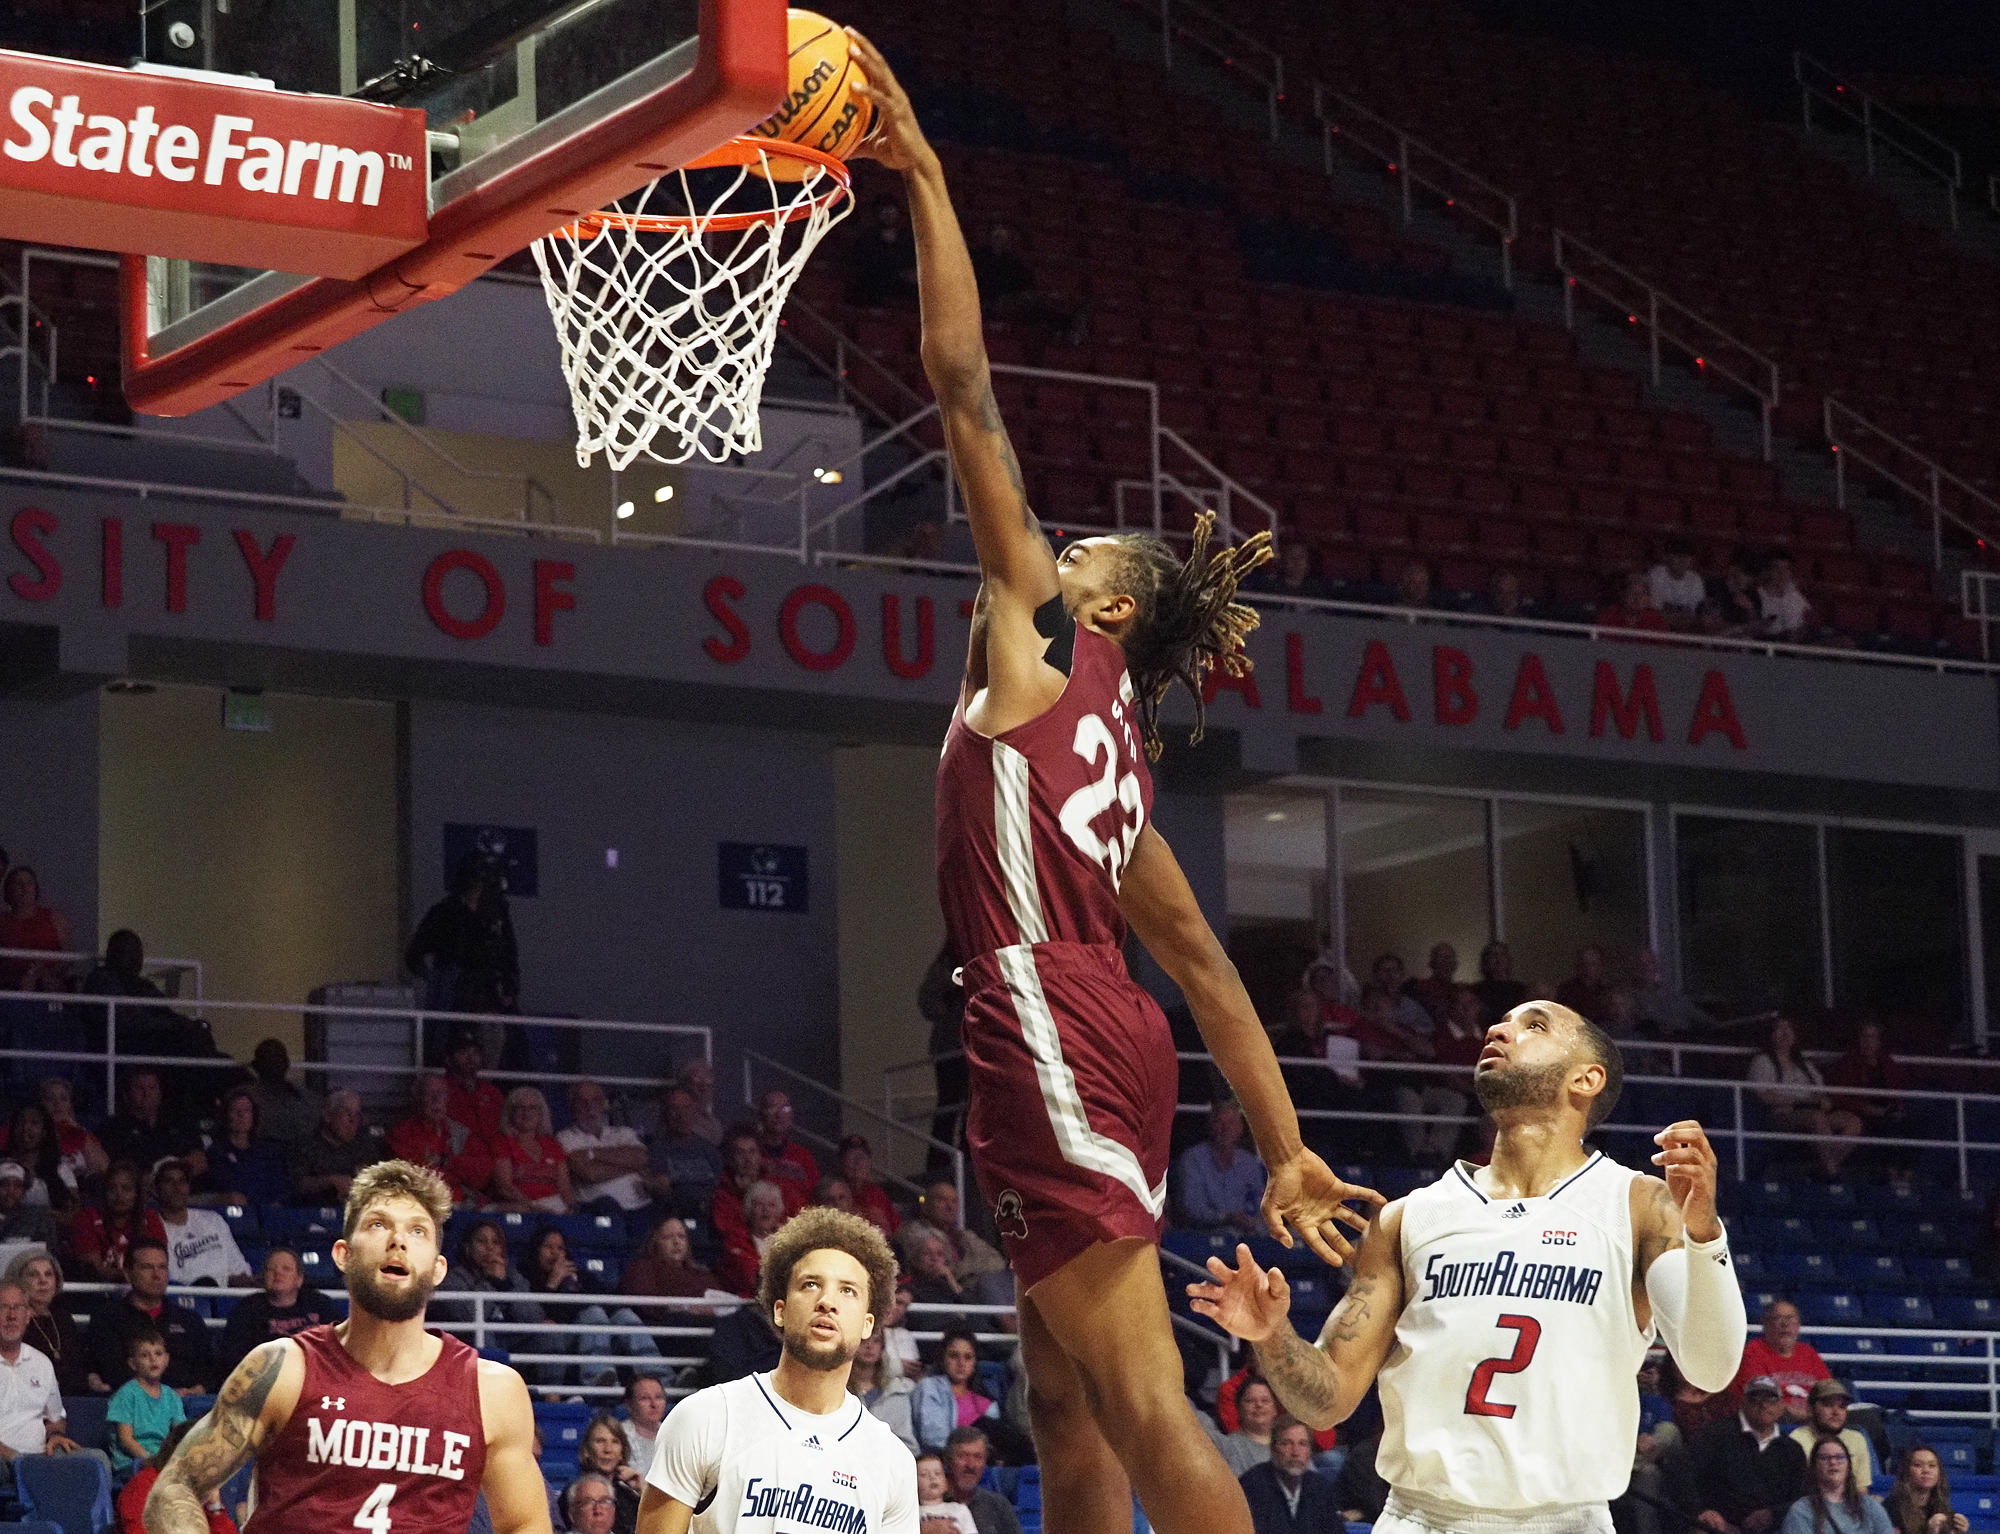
(1498, 991)
(645, 1410)
(325, 1166)
(871, 1202)
(481, 1265)
(899, 1343)
(950, 1398)
(1388, 975)
(1675, 587)
(1383, 1037)
(1826, 1407)
(463, 951)
(588, 1505)
(682, 1165)
(1780, 1356)
(1503, 598)
(131, 1503)
(884, 1390)
(1358, 1489)
(1292, 576)
(472, 1102)
(1434, 992)
(144, 1409)
(1782, 607)
(1833, 1502)
(1256, 1415)
(431, 1137)
(1459, 1040)
(966, 1452)
(1732, 607)
(603, 1451)
(973, 1261)
(1665, 1012)
(243, 1167)
(83, 1153)
(32, 1419)
(104, 1231)
(1286, 1495)
(1658, 1438)
(1221, 1183)
(607, 1162)
(1693, 1408)
(932, 1281)
(282, 1307)
(834, 1193)
(745, 1342)
(530, 1168)
(287, 1113)
(145, 1308)
(1413, 585)
(1794, 1094)
(666, 1267)
(50, 1326)
(785, 1160)
(1742, 1472)
(936, 1511)
(19, 1220)
(32, 1142)
(549, 1269)
(882, 260)
(1632, 608)
(156, 1029)
(201, 1249)
(1867, 1064)
(27, 923)
(743, 1169)
(698, 1076)
(1323, 1030)
(142, 1131)
(941, 1003)
(743, 1251)
(1920, 1501)
(1587, 992)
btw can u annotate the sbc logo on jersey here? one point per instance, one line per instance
(1009, 1217)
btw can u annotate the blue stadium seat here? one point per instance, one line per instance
(992, 1380)
(1857, 1235)
(72, 1490)
(1908, 1199)
(1947, 1274)
(1757, 1297)
(317, 1265)
(1197, 1246)
(1028, 1489)
(514, 1224)
(33, 1526)
(1829, 1307)
(1871, 1268)
(1750, 1267)
(1805, 1268)
(243, 1222)
(592, 1229)
(197, 1407)
(602, 1266)
(1835, 1195)
(1768, 1196)
(1979, 1311)
(496, 1355)
(1978, 1506)
(297, 1227)
(1927, 1236)
(1001, 1478)
(84, 1416)
(1765, 1232)
(1958, 1455)
(1903, 1309)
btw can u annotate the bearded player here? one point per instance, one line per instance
(1045, 853)
(793, 1449)
(372, 1422)
(1505, 1310)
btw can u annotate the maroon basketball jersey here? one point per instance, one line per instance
(359, 1453)
(1035, 825)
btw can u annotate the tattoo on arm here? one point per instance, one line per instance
(1301, 1374)
(1354, 1308)
(993, 426)
(221, 1444)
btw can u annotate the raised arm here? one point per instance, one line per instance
(513, 1481)
(1319, 1384)
(1683, 1281)
(1157, 901)
(1013, 554)
(256, 1401)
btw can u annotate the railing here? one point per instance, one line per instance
(1976, 589)
(753, 1061)
(1853, 436)
(173, 967)
(32, 320)
(111, 1058)
(1416, 164)
(1856, 1365)
(1194, 25)
(1666, 320)
(1879, 123)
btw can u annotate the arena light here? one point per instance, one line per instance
(1274, 815)
(664, 494)
(828, 476)
(625, 509)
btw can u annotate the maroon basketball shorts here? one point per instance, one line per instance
(1073, 1085)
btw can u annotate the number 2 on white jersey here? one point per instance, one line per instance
(1528, 1337)
(373, 1514)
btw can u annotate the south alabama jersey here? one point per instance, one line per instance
(750, 1463)
(1511, 1383)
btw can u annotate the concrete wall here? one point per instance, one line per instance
(51, 816)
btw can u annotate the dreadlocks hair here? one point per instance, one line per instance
(1189, 620)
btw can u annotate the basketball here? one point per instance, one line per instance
(820, 109)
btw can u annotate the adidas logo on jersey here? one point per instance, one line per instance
(812, 1443)
(1513, 1211)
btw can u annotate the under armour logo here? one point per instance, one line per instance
(333, 1403)
(1513, 1211)
(1010, 1218)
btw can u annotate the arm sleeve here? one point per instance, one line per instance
(1699, 1311)
(688, 1451)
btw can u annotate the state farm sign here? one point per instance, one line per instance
(163, 165)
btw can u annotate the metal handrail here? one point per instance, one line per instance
(1400, 157)
(1228, 50)
(1933, 156)
(1934, 476)
(77, 957)
(1651, 301)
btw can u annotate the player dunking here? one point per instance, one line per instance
(1045, 852)
(1505, 1310)
(372, 1423)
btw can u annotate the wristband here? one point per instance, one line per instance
(1718, 1248)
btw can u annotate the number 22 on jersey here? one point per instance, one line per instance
(1093, 736)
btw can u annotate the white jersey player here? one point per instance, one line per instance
(792, 1451)
(1505, 1310)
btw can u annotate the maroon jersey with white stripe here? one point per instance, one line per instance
(360, 1453)
(1034, 826)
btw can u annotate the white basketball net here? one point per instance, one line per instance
(667, 311)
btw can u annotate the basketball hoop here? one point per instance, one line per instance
(667, 310)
